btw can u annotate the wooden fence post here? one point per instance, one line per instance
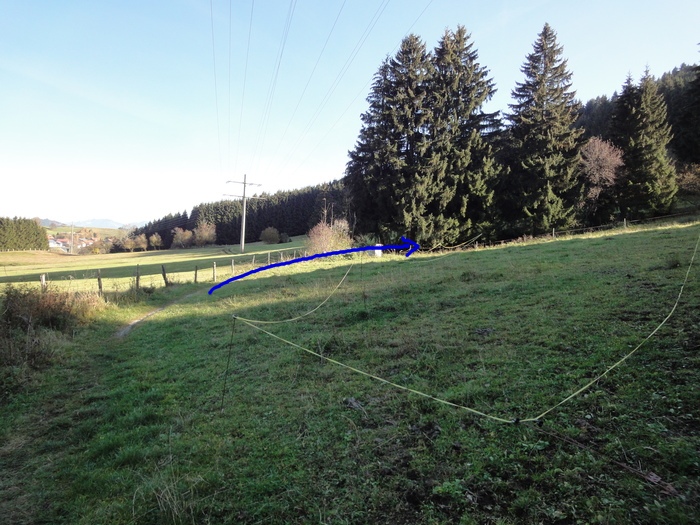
(253, 263)
(99, 282)
(268, 258)
(214, 272)
(42, 278)
(195, 274)
(233, 268)
(138, 278)
(165, 276)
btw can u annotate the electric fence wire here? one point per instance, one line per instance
(256, 321)
(538, 419)
(378, 378)
(629, 354)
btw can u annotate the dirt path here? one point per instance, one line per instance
(123, 332)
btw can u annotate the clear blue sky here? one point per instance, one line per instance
(108, 109)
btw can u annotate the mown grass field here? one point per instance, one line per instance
(79, 272)
(192, 418)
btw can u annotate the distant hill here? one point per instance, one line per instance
(99, 223)
(50, 223)
(91, 223)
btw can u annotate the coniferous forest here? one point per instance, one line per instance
(22, 234)
(431, 164)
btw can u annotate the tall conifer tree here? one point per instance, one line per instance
(641, 131)
(389, 173)
(688, 134)
(542, 191)
(463, 163)
(421, 166)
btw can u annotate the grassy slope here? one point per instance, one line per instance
(79, 272)
(130, 430)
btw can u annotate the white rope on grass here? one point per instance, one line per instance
(378, 378)
(536, 419)
(630, 354)
(256, 321)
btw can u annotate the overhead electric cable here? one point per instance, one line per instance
(245, 77)
(273, 83)
(216, 91)
(347, 108)
(318, 60)
(228, 146)
(344, 69)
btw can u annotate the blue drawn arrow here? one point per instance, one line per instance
(408, 244)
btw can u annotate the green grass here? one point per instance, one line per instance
(119, 270)
(130, 430)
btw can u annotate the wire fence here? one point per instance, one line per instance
(690, 216)
(151, 276)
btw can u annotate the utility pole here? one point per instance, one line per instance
(245, 183)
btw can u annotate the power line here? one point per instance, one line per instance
(353, 54)
(230, 22)
(245, 184)
(273, 83)
(216, 91)
(318, 60)
(359, 93)
(245, 77)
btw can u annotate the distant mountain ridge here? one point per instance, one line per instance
(89, 223)
(99, 223)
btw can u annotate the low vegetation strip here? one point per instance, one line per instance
(131, 430)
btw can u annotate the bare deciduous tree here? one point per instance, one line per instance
(156, 241)
(181, 238)
(205, 233)
(600, 168)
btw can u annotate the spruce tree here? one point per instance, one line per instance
(463, 163)
(641, 131)
(389, 173)
(687, 131)
(369, 172)
(541, 191)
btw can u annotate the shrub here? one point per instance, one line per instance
(32, 328)
(26, 308)
(284, 238)
(204, 234)
(324, 238)
(155, 241)
(181, 238)
(270, 235)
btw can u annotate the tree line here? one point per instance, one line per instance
(430, 163)
(289, 212)
(22, 234)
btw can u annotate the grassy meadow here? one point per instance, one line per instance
(118, 271)
(195, 416)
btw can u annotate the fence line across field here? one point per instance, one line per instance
(169, 277)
